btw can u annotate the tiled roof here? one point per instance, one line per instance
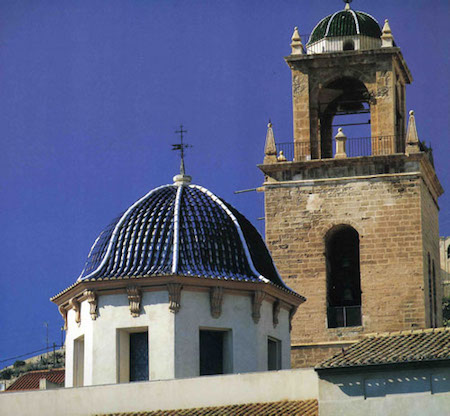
(181, 230)
(394, 348)
(285, 408)
(30, 381)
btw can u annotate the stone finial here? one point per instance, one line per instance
(75, 304)
(347, 4)
(412, 138)
(296, 44)
(341, 138)
(92, 299)
(174, 290)
(258, 297)
(270, 149)
(216, 300)
(281, 157)
(134, 300)
(387, 40)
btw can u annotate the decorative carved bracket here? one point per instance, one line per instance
(75, 304)
(63, 312)
(134, 299)
(258, 297)
(291, 315)
(216, 300)
(93, 302)
(275, 312)
(174, 290)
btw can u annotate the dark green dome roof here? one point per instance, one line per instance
(346, 23)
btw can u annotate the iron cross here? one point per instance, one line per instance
(181, 147)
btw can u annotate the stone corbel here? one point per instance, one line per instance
(276, 311)
(174, 290)
(134, 300)
(91, 297)
(63, 312)
(75, 304)
(291, 315)
(258, 297)
(216, 300)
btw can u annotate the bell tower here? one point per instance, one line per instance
(352, 222)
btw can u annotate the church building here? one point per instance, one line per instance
(338, 311)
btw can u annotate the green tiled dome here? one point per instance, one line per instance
(346, 23)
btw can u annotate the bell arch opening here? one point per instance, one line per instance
(344, 102)
(343, 277)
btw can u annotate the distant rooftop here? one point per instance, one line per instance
(30, 381)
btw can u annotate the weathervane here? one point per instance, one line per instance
(181, 147)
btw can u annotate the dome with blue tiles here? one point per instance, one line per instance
(181, 229)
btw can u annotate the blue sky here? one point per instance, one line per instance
(91, 92)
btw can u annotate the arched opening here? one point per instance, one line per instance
(345, 103)
(448, 252)
(349, 45)
(343, 277)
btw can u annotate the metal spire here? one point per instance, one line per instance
(181, 147)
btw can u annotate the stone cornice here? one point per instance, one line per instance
(79, 291)
(404, 167)
(308, 59)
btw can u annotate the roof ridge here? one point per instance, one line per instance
(406, 332)
(43, 371)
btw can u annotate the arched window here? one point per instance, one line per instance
(349, 45)
(448, 252)
(343, 277)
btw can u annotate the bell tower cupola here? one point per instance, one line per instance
(348, 66)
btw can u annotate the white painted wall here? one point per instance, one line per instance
(174, 350)
(424, 392)
(168, 394)
(336, 44)
(249, 340)
(103, 338)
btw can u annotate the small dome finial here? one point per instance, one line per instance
(347, 4)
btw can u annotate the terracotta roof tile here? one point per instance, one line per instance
(30, 381)
(394, 348)
(284, 408)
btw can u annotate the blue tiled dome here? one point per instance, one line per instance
(181, 229)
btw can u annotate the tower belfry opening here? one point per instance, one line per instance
(343, 97)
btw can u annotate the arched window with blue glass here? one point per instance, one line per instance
(343, 277)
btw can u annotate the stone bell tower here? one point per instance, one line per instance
(352, 223)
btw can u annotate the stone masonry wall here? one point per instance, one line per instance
(386, 212)
(430, 227)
